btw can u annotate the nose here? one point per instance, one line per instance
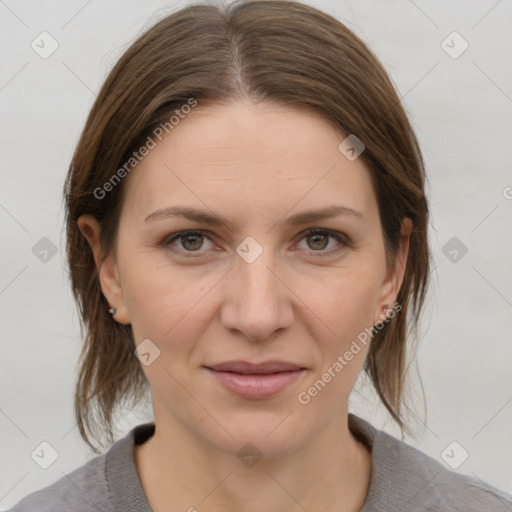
(257, 301)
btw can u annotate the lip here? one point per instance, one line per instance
(265, 367)
(256, 381)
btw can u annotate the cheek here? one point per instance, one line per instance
(346, 301)
(347, 308)
(159, 296)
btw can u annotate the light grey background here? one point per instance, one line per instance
(461, 109)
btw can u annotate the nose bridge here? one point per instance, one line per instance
(257, 272)
(259, 300)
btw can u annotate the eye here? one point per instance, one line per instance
(193, 241)
(318, 239)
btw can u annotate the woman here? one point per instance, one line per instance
(247, 232)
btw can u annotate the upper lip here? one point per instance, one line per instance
(246, 367)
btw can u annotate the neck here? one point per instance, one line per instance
(330, 472)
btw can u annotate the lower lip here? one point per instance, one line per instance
(256, 386)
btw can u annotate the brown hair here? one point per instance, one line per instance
(264, 50)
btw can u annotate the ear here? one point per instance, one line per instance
(107, 269)
(394, 277)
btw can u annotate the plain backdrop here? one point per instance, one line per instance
(460, 102)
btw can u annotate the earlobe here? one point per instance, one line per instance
(405, 236)
(394, 279)
(111, 287)
(107, 270)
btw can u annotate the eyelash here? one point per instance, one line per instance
(340, 237)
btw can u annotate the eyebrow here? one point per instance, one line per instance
(205, 217)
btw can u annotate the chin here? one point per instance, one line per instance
(269, 434)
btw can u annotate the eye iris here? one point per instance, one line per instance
(194, 237)
(316, 236)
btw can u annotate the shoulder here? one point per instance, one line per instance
(106, 483)
(82, 490)
(404, 478)
(431, 485)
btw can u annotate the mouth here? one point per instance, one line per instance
(247, 368)
(256, 381)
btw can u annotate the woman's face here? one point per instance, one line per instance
(255, 287)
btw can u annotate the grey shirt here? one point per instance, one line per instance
(403, 479)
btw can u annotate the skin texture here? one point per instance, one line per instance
(255, 165)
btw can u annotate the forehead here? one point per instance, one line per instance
(263, 157)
